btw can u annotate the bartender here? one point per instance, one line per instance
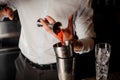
(37, 60)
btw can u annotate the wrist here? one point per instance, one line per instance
(78, 45)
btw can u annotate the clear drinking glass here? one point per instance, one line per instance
(102, 55)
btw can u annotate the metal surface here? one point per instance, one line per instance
(64, 51)
(65, 68)
(9, 29)
(65, 60)
(8, 49)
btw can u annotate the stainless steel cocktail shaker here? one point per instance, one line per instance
(65, 60)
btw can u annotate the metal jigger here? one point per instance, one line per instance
(65, 60)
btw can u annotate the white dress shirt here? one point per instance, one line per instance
(36, 43)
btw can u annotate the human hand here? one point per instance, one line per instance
(8, 12)
(68, 31)
(63, 34)
(45, 23)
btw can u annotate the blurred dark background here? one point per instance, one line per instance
(106, 25)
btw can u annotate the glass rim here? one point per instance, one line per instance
(101, 43)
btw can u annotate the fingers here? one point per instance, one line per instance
(45, 25)
(48, 29)
(8, 12)
(70, 22)
(68, 32)
(11, 15)
(46, 22)
(50, 19)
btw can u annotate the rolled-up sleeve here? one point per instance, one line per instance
(10, 3)
(84, 25)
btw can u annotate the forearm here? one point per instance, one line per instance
(77, 44)
(7, 9)
(83, 45)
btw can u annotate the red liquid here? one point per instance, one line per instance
(60, 35)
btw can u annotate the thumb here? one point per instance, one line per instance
(70, 21)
